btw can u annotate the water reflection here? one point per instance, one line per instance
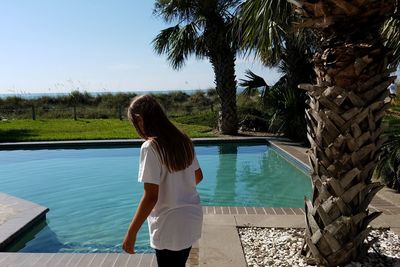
(38, 239)
(226, 174)
(272, 182)
(255, 175)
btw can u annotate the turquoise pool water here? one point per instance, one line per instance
(93, 193)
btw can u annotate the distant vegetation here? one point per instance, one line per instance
(103, 106)
(99, 116)
(200, 107)
(255, 113)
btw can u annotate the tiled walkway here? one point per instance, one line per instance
(252, 210)
(85, 260)
(377, 204)
(64, 259)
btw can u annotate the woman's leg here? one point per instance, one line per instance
(168, 258)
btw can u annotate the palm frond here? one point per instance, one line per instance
(391, 32)
(252, 84)
(200, 47)
(252, 80)
(232, 35)
(175, 10)
(228, 7)
(178, 43)
(263, 23)
(163, 40)
(298, 51)
(192, 17)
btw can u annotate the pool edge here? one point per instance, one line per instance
(117, 143)
(290, 157)
(27, 215)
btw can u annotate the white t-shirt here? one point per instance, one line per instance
(176, 220)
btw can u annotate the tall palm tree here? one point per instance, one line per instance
(284, 98)
(203, 29)
(344, 117)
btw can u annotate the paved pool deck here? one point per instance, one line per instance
(220, 243)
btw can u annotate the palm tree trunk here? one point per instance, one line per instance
(224, 69)
(222, 57)
(344, 120)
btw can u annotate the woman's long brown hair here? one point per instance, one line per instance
(175, 148)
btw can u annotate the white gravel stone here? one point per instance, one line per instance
(282, 246)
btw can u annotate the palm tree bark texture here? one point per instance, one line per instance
(344, 124)
(222, 58)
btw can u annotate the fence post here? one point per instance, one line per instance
(120, 112)
(74, 113)
(33, 113)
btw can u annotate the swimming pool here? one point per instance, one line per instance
(93, 193)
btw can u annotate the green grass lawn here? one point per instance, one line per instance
(82, 129)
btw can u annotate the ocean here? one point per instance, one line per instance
(26, 95)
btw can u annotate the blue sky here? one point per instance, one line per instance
(93, 45)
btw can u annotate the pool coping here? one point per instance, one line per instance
(23, 216)
(291, 158)
(220, 244)
(118, 142)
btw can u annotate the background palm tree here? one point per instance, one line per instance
(344, 117)
(203, 29)
(284, 101)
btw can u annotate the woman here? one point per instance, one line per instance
(170, 172)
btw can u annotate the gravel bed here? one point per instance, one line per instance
(282, 246)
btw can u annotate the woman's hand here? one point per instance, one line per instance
(129, 243)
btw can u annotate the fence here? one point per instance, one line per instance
(75, 112)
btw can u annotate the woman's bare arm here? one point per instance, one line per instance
(146, 205)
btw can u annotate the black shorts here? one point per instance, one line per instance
(168, 258)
